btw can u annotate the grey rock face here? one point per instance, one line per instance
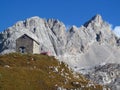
(91, 44)
(108, 74)
(94, 43)
(59, 31)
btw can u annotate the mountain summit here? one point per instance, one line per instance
(92, 44)
(96, 19)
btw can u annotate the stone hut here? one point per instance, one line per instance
(26, 44)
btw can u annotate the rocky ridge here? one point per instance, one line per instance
(92, 44)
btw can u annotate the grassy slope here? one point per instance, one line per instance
(37, 72)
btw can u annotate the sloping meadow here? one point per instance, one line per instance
(39, 72)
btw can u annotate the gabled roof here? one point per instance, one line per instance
(33, 38)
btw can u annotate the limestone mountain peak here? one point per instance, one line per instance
(73, 29)
(73, 47)
(90, 45)
(97, 19)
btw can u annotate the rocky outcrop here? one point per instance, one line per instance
(92, 44)
(108, 74)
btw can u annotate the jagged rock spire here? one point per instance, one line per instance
(96, 19)
(73, 28)
(73, 48)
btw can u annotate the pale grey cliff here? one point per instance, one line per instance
(92, 44)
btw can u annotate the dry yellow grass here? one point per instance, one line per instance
(37, 72)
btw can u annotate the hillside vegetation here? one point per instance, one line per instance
(39, 72)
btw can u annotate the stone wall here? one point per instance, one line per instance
(26, 42)
(36, 48)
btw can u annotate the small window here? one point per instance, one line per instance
(22, 49)
(23, 37)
